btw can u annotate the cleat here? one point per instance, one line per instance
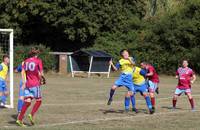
(31, 119)
(126, 110)
(135, 110)
(193, 110)
(151, 111)
(20, 123)
(173, 108)
(109, 102)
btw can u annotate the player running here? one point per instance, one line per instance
(126, 64)
(186, 77)
(21, 90)
(140, 85)
(153, 80)
(34, 71)
(3, 77)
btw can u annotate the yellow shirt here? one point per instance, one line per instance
(138, 79)
(4, 71)
(126, 66)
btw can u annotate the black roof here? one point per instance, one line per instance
(94, 53)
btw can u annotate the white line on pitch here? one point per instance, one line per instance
(104, 119)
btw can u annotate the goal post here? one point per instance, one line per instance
(7, 47)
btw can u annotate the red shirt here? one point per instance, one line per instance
(154, 78)
(185, 75)
(33, 66)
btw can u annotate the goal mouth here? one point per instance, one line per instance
(6, 48)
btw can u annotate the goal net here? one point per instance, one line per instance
(6, 47)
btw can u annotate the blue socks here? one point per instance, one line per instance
(127, 103)
(148, 102)
(20, 104)
(111, 93)
(3, 99)
(133, 101)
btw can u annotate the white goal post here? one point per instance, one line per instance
(8, 48)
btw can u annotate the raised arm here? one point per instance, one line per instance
(115, 68)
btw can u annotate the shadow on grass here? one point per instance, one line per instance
(170, 108)
(105, 111)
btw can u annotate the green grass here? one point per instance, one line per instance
(80, 104)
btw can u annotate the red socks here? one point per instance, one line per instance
(153, 101)
(23, 111)
(36, 107)
(191, 103)
(174, 103)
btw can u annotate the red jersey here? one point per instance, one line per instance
(184, 77)
(154, 78)
(33, 66)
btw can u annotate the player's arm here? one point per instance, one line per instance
(1, 67)
(150, 73)
(115, 67)
(131, 60)
(143, 72)
(41, 73)
(193, 78)
(177, 75)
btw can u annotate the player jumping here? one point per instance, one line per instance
(153, 80)
(34, 71)
(186, 77)
(140, 85)
(126, 64)
(3, 77)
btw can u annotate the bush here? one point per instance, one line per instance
(21, 52)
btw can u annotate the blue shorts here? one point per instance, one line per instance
(152, 86)
(34, 92)
(125, 80)
(3, 87)
(140, 88)
(21, 91)
(180, 91)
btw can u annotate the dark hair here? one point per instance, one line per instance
(121, 52)
(144, 62)
(33, 51)
(5, 56)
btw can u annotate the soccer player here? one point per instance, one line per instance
(3, 77)
(34, 71)
(186, 77)
(140, 85)
(126, 64)
(153, 80)
(21, 90)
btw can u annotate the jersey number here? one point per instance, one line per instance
(30, 66)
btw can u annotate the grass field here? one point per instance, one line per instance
(80, 103)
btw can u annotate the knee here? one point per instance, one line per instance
(28, 100)
(145, 95)
(151, 95)
(113, 87)
(175, 97)
(21, 98)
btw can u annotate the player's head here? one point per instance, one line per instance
(124, 53)
(185, 63)
(34, 51)
(6, 59)
(144, 65)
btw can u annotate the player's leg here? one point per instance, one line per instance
(112, 91)
(38, 97)
(177, 93)
(28, 96)
(190, 98)
(127, 100)
(21, 98)
(152, 88)
(134, 109)
(5, 95)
